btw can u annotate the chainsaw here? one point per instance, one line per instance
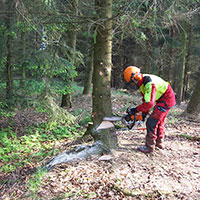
(133, 122)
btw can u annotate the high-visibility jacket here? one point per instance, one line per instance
(152, 89)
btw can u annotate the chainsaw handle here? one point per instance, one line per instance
(133, 120)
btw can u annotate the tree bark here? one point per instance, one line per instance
(182, 69)
(9, 46)
(193, 108)
(88, 82)
(101, 96)
(67, 98)
(9, 68)
(187, 67)
(23, 67)
(170, 60)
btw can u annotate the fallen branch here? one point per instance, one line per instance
(137, 193)
(192, 138)
(128, 192)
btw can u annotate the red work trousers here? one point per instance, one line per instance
(155, 123)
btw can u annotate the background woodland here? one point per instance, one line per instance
(61, 66)
(51, 42)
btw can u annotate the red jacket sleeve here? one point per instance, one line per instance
(146, 106)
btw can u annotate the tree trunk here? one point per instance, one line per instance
(193, 108)
(88, 82)
(67, 98)
(155, 68)
(23, 67)
(182, 69)
(101, 97)
(170, 60)
(9, 68)
(9, 45)
(187, 67)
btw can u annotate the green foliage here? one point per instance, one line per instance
(52, 65)
(4, 111)
(172, 120)
(33, 147)
(186, 136)
(69, 131)
(143, 36)
(77, 111)
(9, 150)
(33, 86)
(60, 87)
(37, 86)
(35, 182)
(77, 89)
(12, 34)
(58, 70)
(95, 36)
(135, 23)
(189, 137)
(85, 121)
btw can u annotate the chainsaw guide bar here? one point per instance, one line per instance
(135, 124)
(112, 119)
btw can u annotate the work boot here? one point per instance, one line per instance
(160, 143)
(160, 146)
(144, 149)
(150, 142)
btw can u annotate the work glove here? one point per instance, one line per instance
(144, 116)
(131, 111)
(127, 117)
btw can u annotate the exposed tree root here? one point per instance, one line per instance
(104, 139)
(78, 153)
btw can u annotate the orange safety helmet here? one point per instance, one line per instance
(132, 73)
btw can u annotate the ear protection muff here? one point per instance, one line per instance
(136, 76)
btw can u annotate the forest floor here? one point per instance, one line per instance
(169, 174)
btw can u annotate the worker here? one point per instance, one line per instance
(155, 93)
